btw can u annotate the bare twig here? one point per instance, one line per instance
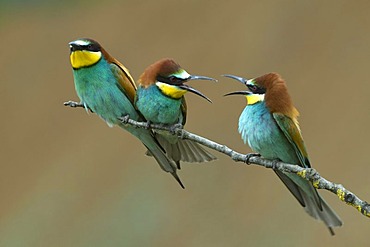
(309, 174)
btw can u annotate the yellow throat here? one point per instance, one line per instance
(170, 90)
(80, 59)
(254, 98)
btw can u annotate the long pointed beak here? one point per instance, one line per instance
(241, 79)
(239, 93)
(200, 77)
(193, 90)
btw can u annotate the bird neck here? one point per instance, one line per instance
(171, 91)
(277, 99)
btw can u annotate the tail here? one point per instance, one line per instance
(157, 151)
(184, 150)
(310, 199)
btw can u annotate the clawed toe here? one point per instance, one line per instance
(250, 155)
(174, 128)
(124, 119)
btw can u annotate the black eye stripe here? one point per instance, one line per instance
(256, 89)
(90, 47)
(172, 80)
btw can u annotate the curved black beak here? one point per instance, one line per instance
(241, 79)
(193, 90)
(200, 77)
(239, 93)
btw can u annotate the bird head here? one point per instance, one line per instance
(256, 87)
(84, 53)
(269, 88)
(170, 78)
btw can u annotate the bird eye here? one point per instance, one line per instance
(173, 79)
(89, 47)
(252, 87)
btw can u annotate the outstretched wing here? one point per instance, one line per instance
(292, 132)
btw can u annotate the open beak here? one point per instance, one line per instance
(241, 79)
(239, 93)
(200, 77)
(193, 90)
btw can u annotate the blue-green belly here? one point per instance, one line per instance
(97, 87)
(258, 127)
(157, 107)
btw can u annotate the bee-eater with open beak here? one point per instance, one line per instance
(106, 87)
(160, 98)
(269, 124)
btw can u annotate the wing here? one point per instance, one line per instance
(292, 132)
(183, 110)
(125, 80)
(123, 76)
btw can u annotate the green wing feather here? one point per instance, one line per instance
(292, 132)
(123, 76)
(125, 80)
(183, 110)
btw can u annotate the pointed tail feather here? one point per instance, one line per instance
(163, 161)
(327, 214)
(308, 197)
(157, 151)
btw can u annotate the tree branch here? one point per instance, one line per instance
(309, 174)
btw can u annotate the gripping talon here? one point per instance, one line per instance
(124, 119)
(147, 125)
(175, 127)
(274, 164)
(250, 155)
(73, 104)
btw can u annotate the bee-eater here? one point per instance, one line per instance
(160, 98)
(106, 87)
(269, 124)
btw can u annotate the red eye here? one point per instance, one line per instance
(252, 87)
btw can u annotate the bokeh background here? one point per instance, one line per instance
(67, 179)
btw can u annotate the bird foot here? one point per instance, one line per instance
(173, 128)
(74, 104)
(274, 164)
(147, 124)
(124, 119)
(250, 155)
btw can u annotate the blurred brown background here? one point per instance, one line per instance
(66, 179)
